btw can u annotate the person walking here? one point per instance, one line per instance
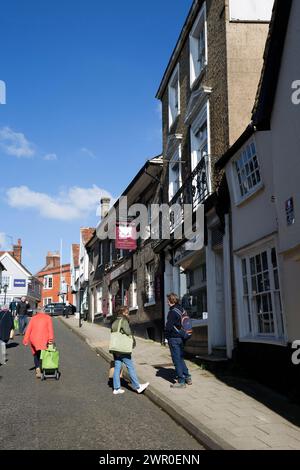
(120, 334)
(68, 309)
(176, 342)
(13, 308)
(22, 312)
(39, 334)
(6, 325)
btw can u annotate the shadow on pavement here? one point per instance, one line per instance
(240, 380)
(166, 374)
(12, 345)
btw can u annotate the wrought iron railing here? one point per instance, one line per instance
(194, 191)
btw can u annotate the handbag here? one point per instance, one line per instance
(16, 323)
(12, 334)
(120, 342)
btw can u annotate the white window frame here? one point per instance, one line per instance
(8, 281)
(174, 96)
(175, 161)
(199, 29)
(198, 144)
(244, 318)
(244, 177)
(150, 278)
(47, 300)
(46, 282)
(99, 302)
(133, 292)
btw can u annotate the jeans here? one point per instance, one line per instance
(36, 358)
(131, 371)
(177, 352)
(23, 322)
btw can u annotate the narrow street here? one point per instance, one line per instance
(79, 411)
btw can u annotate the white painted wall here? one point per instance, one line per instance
(250, 10)
(254, 218)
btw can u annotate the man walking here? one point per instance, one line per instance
(176, 342)
(22, 312)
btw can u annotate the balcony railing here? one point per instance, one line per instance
(194, 191)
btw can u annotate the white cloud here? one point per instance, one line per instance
(88, 152)
(15, 143)
(2, 239)
(74, 204)
(50, 157)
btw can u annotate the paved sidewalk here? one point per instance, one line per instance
(220, 416)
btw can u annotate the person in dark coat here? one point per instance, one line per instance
(6, 324)
(13, 308)
(68, 310)
(176, 342)
(22, 312)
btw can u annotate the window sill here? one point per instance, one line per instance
(198, 80)
(250, 195)
(173, 126)
(264, 339)
(198, 322)
(132, 309)
(149, 304)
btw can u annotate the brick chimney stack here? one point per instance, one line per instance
(52, 259)
(17, 251)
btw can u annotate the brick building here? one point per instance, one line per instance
(129, 277)
(207, 94)
(56, 280)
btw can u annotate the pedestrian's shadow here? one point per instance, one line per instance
(166, 374)
(124, 384)
(12, 345)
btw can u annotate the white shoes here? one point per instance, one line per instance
(142, 387)
(119, 391)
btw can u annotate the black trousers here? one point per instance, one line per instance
(36, 358)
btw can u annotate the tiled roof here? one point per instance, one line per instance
(87, 234)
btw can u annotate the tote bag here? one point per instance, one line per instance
(50, 358)
(120, 342)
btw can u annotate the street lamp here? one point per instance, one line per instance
(5, 287)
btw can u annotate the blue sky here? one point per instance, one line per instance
(81, 115)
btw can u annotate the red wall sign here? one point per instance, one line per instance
(125, 236)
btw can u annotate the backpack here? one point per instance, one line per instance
(186, 324)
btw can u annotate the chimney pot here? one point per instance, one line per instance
(105, 203)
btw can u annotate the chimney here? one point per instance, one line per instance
(53, 259)
(17, 251)
(105, 203)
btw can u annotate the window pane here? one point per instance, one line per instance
(274, 257)
(260, 285)
(244, 267)
(264, 257)
(252, 266)
(258, 263)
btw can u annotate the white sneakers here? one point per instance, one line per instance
(142, 387)
(118, 392)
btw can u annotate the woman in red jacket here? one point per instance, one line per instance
(39, 333)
